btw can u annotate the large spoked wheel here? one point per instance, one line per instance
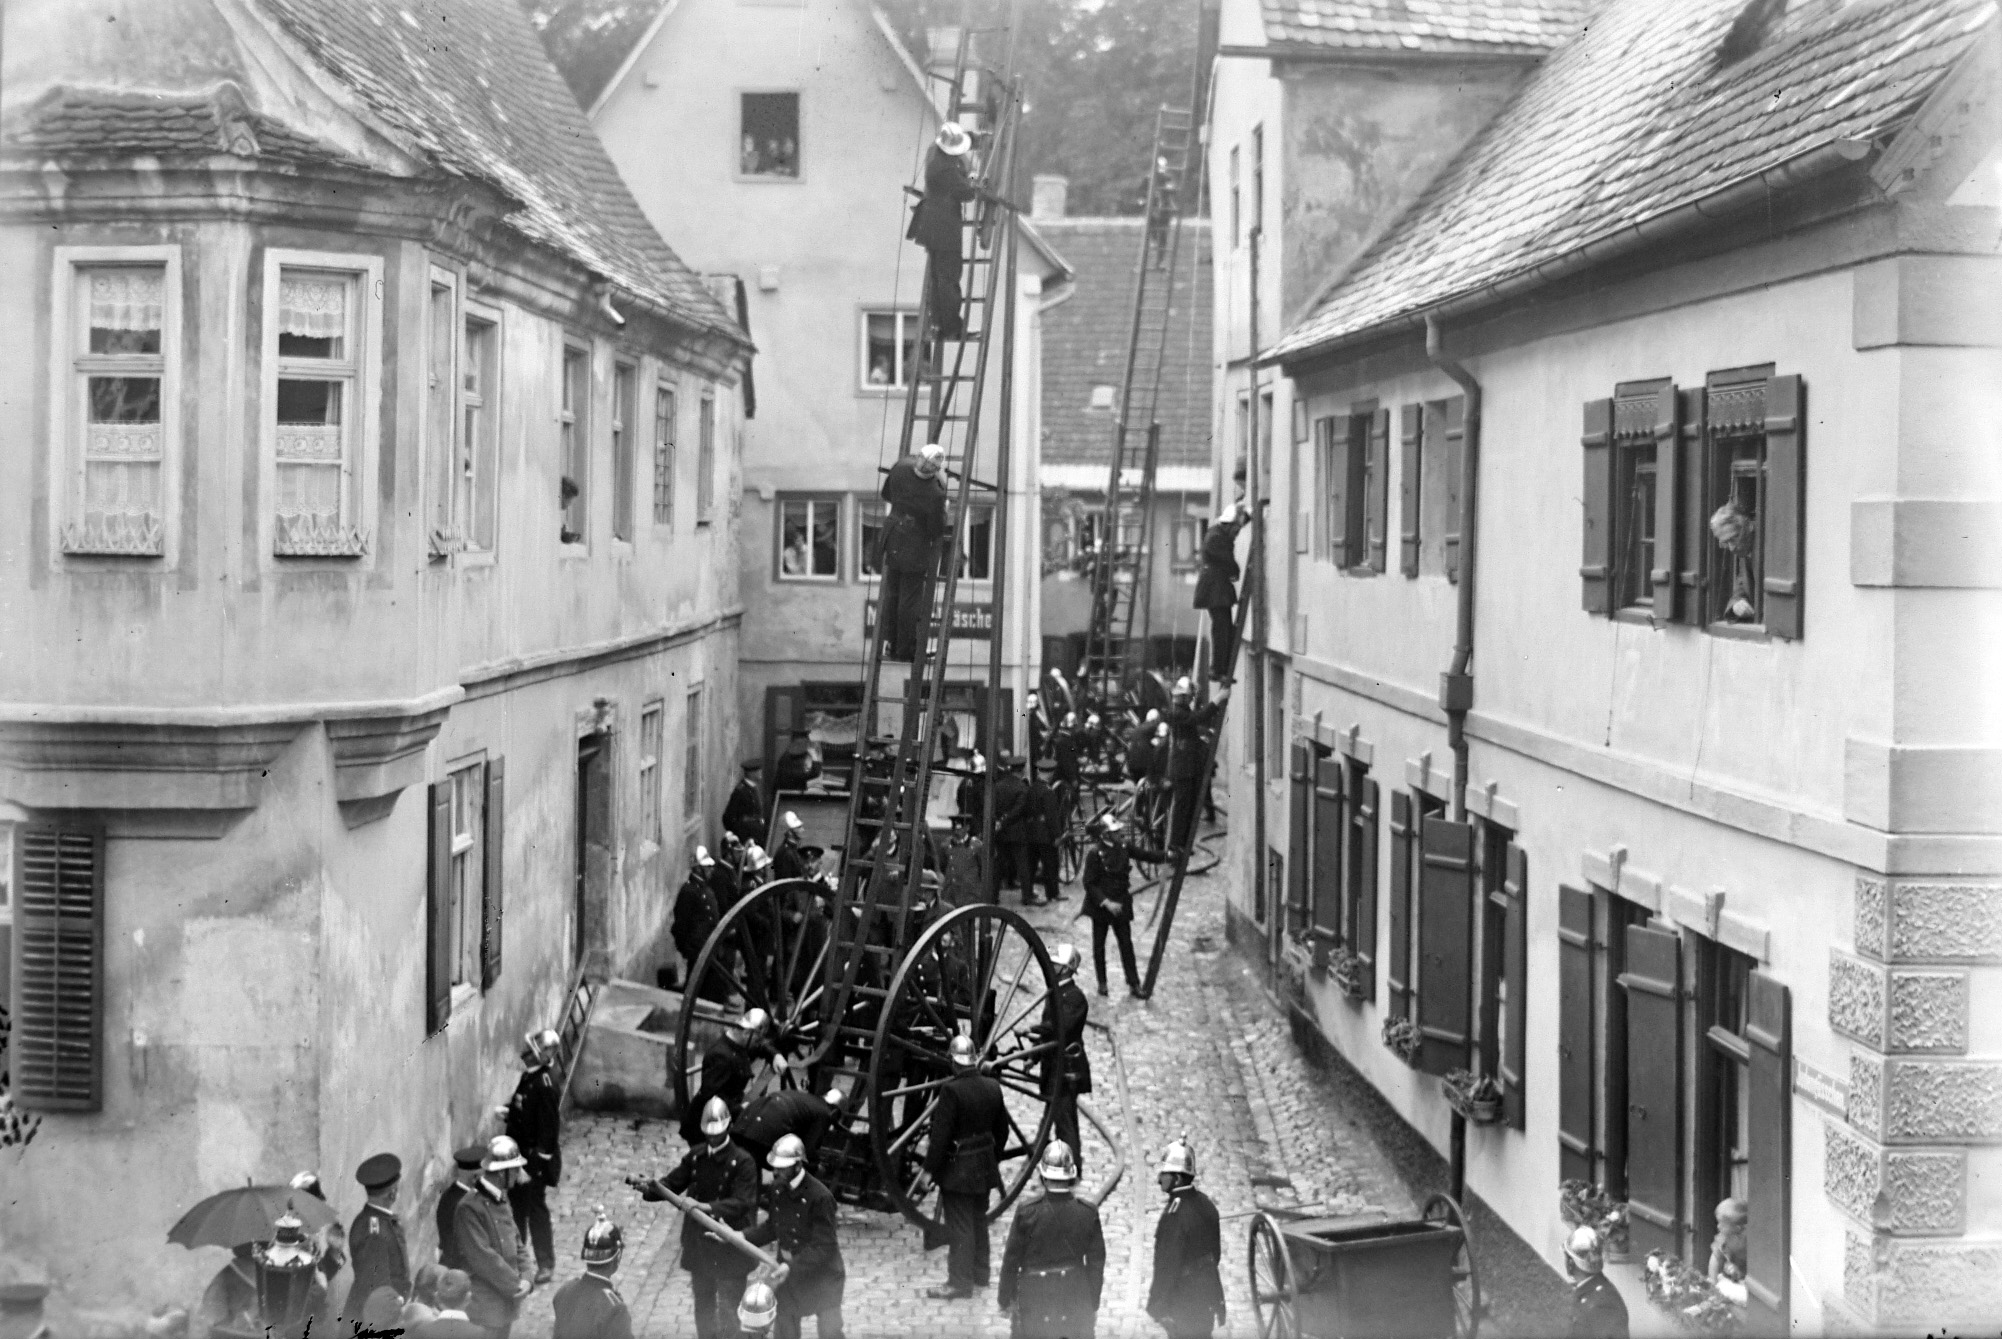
(981, 970)
(1445, 1210)
(1275, 1290)
(768, 952)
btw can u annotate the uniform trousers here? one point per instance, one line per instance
(966, 1239)
(530, 1202)
(901, 608)
(1042, 863)
(1223, 631)
(826, 1324)
(1122, 930)
(716, 1298)
(1188, 795)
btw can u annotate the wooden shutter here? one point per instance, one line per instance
(438, 913)
(1455, 455)
(1786, 492)
(1355, 527)
(1410, 467)
(57, 1059)
(1445, 943)
(1575, 1143)
(1652, 980)
(1397, 977)
(1328, 849)
(1335, 490)
(1770, 1143)
(1364, 910)
(492, 861)
(1515, 966)
(1667, 489)
(1597, 492)
(1301, 796)
(1377, 504)
(1693, 539)
(1611, 915)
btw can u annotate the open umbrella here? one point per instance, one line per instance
(247, 1213)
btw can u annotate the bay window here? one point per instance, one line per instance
(123, 365)
(318, 331)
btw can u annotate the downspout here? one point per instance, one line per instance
(1456, 685)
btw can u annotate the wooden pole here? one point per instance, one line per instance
(730, 1236)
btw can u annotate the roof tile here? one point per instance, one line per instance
(1500, 27)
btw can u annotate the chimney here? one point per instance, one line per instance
(1049, 194)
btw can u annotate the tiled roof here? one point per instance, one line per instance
(1635, 118)
(1495, 27)
(72, 122)
(1085, 338)
(468, 86)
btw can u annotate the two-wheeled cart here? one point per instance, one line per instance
(1365, 1276)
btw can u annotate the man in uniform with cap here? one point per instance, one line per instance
(1011, 838)
(1188, 723)
(744, 811)
(488, 1244)
(376, 1237)
(1216, 588)
(1597, 1310)
(788, 861)
(1053, 1267)
(783, 1111)
(534, 1119)
(796, 766)
(969, 1127)
(589, 1306)
(811, 1276)
(1186, 1297)
(696, 913)
(722, 1178)
(936, 223)
(1108, 896)
(1042, 827)
(466, 1173)
(913, 533)
(728, 1067)
(1065, 1074)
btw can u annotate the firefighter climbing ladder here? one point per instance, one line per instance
(1122, 558)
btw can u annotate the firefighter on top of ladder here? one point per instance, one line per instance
(935, 225)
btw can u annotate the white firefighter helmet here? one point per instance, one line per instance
(834, 1097)
(792, 822)
(979, 761)
(1059, 1165)
(759, 1307)
(931, 456)
(715, 1116)
(1110, 825)
(756, 858)
(953, 139)
(540, 1046)
(754, 1021)
(703, 859)
(603, 1241)
(962, 1052)
(1584, 1249)
(1153, 715)
(1065, 960)
(787, 1153)
(1178, 1158)
(1161, 731)
(310, 1183)
(502, 1154)
(1185, 687)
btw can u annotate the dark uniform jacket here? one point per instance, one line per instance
(916, 523)
(489, 1251)
(1038, 815)
(1064, 748)
(696, 912)
(1597, 1311)
(1108, 877)
(1216, 584)
(936, 220)
(968, 1129)
(802, 1223)
(589, 1307)
(787, 862)
(1011, 809)
(535, 1122)
(376, 1241)
(726, 1181)
(448, 1226)
(1063, 1020)
(727, 1070)
(770, 1118)
(1053, 1268)
(744, 813)
(1140, 761)
(1187, 723)
(795, 768)
(1187, 1292)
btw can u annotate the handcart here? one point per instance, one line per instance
(1365, 1276)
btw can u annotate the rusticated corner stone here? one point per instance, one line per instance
(1859, 1274)
(1912, 1192)
(1938, 1284)
(1959, 922)
(1850, 1170)
(1942, 1101)
(1872, 917)
(1856, 994)
(1866, 1094)
(1928, 1011)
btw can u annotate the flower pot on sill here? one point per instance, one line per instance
(1484, 1111)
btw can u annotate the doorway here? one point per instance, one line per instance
(589, 927)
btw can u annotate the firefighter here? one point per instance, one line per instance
(1053, 1267)
(1066, 1074)
(796, 766)
(1108, 897)
(376, 1237)
(696, 912)
(728, 1067)
(1042, 827)
(758, 1312)
(744, 812)
(489, 1249)
(1597, 1311)
(969, 1127)
(1188, 723)
(788, 861)
(466, 1166)
(723, 1180)
(912, 535)
(811, 1276)
(1039, 725)
(1216, 588)
(1066, 748)
(589, 1306)
(1140, 747)
(534, 1120)
(1186, 1298)
(936, 225)
(1011, 810)
(768, 1119)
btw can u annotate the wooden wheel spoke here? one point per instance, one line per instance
(906, 1090)
(911, 1130)
(1001, 1009)
(1020, 1087)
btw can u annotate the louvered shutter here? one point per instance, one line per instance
(1515, 966)
(1377, 505)
(1335, 489)
(1410, 469)
(1364, 936)
(1769, 1136)
(438, 913)
(1574, 1035)
(57, 1052)
(491, 864)
(1693, 541)
(1597, 486)
(1667, 489)
(1398, 974)
(1652, 980)
(1786, 493)
(1328, 848)
(1445, 943)
(1301, 797)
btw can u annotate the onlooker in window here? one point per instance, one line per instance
(936, 225)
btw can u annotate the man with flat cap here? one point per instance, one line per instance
(744, 812)
(375, 1241)
(466, 1171)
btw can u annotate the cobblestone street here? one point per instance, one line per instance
(1207, 1056)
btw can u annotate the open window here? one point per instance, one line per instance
(809, 538)
(320, 325)
(889, 349)
(768, 136)
(119, 413)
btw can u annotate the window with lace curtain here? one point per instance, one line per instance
(123, 358)
(317, 334)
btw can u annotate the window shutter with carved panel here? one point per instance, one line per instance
(1398, 975)
(1576, 1144)
(1377, 505)
(1335, 489)
(1693, 525)
(1445, 944)
(1597, 485)
(492, 861)
(1328, 849)
(1769, 1135)
(1786, 493)
(1667, 489)
(1411, 440)
(1653, 984)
